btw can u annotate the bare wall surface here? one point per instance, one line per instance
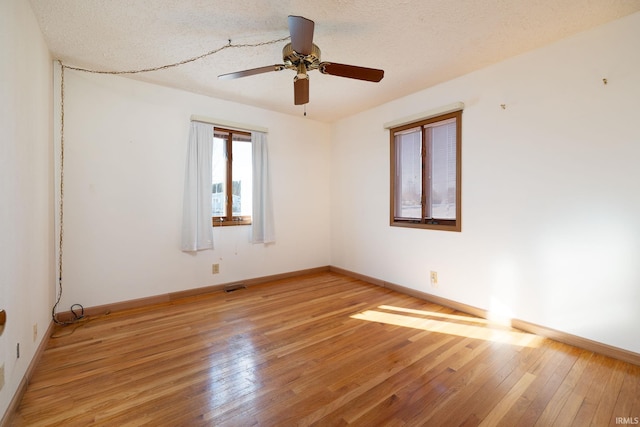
(27, 269)
(550, 200)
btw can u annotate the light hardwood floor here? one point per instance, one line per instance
(321, 349)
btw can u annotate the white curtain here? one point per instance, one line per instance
(197, 230)
(262, 215)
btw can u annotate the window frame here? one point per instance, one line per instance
(229, 219)
(427, 223)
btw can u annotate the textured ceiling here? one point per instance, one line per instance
(419, 43)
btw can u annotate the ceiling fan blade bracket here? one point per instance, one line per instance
(302, 71)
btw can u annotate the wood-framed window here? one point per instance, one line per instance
(426, 173)
(232, 180)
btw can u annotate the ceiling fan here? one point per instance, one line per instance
(303, 56)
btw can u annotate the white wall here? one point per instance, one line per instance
(125, 145)
(27, 268)
(551, 203)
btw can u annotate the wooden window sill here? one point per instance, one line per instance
(220, 222)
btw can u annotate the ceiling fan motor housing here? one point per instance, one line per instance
(293, 59)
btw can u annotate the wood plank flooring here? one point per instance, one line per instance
(321, 349)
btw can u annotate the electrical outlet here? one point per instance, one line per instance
(434, 279)
(35, 332)
(215, 269)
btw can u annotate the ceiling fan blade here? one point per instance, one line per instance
(251, 72)
(301, 30)
(351, 71)
(301, 91)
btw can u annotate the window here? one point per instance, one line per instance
(425, 173)
(232, 181)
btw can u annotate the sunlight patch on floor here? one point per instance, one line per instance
(435, 314)
(424, 320)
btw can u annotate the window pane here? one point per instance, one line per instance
(408, 174)
(219, 178)
(242, 178)
(442, 140)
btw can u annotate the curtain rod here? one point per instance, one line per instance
(227, 123)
